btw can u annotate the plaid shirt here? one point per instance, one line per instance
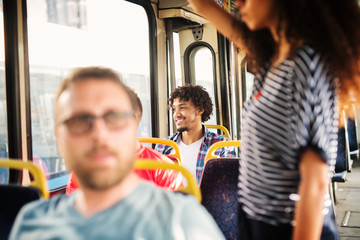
(209, 139)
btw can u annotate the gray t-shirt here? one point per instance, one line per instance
(147, 213)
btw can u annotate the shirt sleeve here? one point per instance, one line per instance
(315, 118)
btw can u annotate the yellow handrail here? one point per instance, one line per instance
(191, 187)
(217, 145)
(39, 177)
(220, 127)
(168, 142)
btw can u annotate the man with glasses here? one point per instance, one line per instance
(95, 127)
(167, 179)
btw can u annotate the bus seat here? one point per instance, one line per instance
(223, 129)
(217, 145)
(218, 186)
(341, 162)
(14, 197)
(176, 157)
(357, 121)
(348, 159)
(353, 144)
(190, 188)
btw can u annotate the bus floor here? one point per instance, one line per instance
(348, 206)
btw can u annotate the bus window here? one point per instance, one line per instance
(3, 113)
(204, 75)
(66, 34)
(178, 75)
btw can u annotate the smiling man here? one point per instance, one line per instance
(96, 131)
(191, 106)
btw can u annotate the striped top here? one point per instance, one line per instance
(294, 106)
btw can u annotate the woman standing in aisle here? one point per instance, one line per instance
(306, 57)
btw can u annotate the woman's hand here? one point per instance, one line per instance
(200, 5)
(221, 19)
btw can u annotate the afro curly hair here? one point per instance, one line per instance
(197, 95)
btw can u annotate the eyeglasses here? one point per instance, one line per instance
(83, 124)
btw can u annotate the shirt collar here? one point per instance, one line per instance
(205, 131)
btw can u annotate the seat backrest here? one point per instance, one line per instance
(223, 129)
(39, 180)
(340, 164)
(218, 186)
(190, 188)
(210, 152)
(357, 122)
(351, 130)
(176, 157)
(13, 198)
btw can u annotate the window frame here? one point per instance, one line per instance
(17, 79)
(189, 73)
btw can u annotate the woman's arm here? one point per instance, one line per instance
(312, 189)
(224, 22)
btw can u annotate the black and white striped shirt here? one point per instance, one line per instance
(294, 106)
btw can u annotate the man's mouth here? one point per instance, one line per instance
(179, 121)
(99, 155)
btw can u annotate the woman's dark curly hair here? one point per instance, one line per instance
(198, 96)
(329, 26)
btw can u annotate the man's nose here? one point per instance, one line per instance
(99, 129)
(176, 113)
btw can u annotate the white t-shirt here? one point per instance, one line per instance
(189, 154)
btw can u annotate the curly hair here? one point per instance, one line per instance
(329, 26)
(197, 95)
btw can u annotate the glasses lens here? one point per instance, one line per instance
(80, 124)
(117, 120)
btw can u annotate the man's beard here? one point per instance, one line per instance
(183, 129)
(101, 179)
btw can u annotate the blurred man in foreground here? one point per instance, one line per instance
(95, 127)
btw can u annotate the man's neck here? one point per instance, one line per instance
(192, 135)
(90, 202)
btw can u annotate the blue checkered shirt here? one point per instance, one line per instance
(209, 139)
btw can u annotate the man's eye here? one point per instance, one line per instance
(85, 118)
(112, 116)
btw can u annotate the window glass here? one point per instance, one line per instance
(177, 56)
(64, 34)
(178, 75)
(4, 173)
(204, 75)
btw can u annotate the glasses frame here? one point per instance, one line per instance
(88, 121)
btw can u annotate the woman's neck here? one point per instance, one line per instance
(282, 53)
(283, 46)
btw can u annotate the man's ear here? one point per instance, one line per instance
(200, 112)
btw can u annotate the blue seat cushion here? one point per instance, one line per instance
(12, 199)
(219, 193)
